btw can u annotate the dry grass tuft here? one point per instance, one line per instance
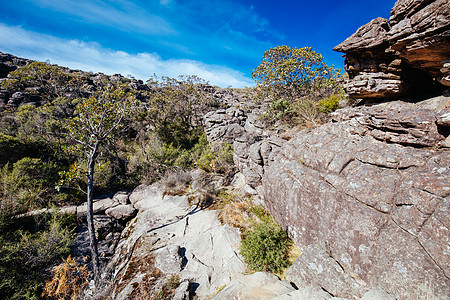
(237, 214)
(68, 281)
(176, 182)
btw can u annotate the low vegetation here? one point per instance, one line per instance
(26, 252)
(265, 246)
(69, 279)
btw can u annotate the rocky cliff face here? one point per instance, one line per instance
(405, 56)
(365, 196)
(367, 199)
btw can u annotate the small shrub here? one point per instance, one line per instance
(68, 280)
(218, 161)
(330, 104)
(266, 248)
(176, 182)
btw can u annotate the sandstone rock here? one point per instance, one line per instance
(308, 293)
(318, 268)
(377, 294)
(260, 285)
(222, 126)
(121, 211)
(182, 291)
(170, 237)
(121, 197)
(169, 259)
(367, 36)
(400, 122)
(400, 57)
(145, 196)
(365, 199)
(99, 206)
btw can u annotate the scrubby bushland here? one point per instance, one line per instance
(293, 81)
(27, 254)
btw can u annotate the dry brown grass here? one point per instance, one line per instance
(68, 281)
(176, 182)
(237, 214)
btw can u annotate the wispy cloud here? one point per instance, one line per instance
(93, 57)
(120, 14)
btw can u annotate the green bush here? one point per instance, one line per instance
(330, 104)
(266, 248)
(219, 161)
(26, 257)
(29, 184)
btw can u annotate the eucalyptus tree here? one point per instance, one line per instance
(295, 79)
(95, 121)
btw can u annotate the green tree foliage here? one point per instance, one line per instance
(294, 80)
(26, 256)
(176, 108)
(266, 248)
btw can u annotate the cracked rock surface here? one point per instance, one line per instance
(371, 209)
(169, 237)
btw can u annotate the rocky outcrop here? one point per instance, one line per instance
(402, 56)
(9, 63)
(169, 237)
(252, 142)
(366, 198)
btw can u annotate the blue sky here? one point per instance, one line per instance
(218, 40)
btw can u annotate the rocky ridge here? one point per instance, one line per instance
(402, 56)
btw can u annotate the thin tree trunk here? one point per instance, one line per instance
(90, 212)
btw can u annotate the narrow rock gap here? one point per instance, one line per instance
(384, 166)
(346, 164)
(327, 291)
(403, 204)
(435, 262)
(186, 224)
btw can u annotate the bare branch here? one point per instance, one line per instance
(79, 141)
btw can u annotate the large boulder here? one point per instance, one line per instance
(366, 198)
(402, 56)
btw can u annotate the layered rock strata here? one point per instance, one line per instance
(252, 143)
(367, 199)
(404, 56)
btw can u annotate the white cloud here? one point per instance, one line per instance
(119, 14)
(92, 57)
